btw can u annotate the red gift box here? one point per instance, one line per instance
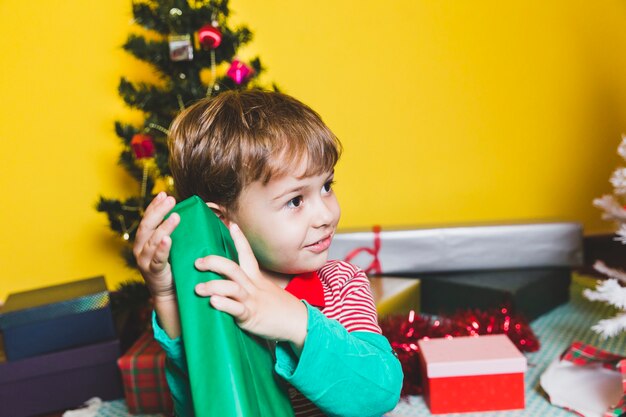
(143, 375)
(473, 373)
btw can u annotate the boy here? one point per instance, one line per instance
(264, 163)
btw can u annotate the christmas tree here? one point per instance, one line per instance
(612, 290)
(193, 51)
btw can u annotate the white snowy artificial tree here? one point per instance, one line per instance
(612, 290)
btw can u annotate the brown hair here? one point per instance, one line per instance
(220, 145)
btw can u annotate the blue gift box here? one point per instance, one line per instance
(57, 317)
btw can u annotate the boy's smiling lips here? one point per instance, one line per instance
(321, 245)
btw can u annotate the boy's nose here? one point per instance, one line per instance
(323, 215)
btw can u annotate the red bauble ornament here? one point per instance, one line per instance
(209, 37)
(239, 71)
(143, 146)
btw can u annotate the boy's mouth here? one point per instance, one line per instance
(321, 245)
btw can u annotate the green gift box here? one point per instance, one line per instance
(530, 292)
(231, 372)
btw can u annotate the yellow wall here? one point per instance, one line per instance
(450, 112)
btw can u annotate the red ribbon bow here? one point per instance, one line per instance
(374, 266)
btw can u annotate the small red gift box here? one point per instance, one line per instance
(472, 373)
(143, 374)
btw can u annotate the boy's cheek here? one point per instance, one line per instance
(262, 253)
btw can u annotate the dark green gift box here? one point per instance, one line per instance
(530, 292)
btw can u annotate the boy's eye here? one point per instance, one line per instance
(328, 186)
(295, 202)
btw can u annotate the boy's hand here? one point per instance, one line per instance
(152, 250)
(153, 243)
(257, 304)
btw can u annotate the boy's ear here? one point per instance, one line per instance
(220, 212)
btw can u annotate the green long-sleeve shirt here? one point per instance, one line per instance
(343, 374)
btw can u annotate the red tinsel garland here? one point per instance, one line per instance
(404, 331)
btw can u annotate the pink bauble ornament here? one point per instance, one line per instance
(239, 71)
(209, 36)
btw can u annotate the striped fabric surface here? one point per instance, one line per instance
(556, 331)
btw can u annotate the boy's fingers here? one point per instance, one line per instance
(229, 306)
(155, 206)
(223, 288)
(148, 250)
(161, 255)
(153, 217)
(225, 267)
(247, 260)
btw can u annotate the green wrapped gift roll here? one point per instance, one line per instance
(231, 372)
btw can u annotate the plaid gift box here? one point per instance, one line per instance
(143, 375)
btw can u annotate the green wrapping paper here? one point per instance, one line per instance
(231, 372)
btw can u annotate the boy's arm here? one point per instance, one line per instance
(175, 370)
(346, 367)
(342, 373)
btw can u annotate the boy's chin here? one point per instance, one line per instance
(319, 262)
(309, 266)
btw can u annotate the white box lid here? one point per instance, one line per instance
(471, 355)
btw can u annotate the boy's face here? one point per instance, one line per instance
(289, 222)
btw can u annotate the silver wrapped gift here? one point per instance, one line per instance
(462, 248)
